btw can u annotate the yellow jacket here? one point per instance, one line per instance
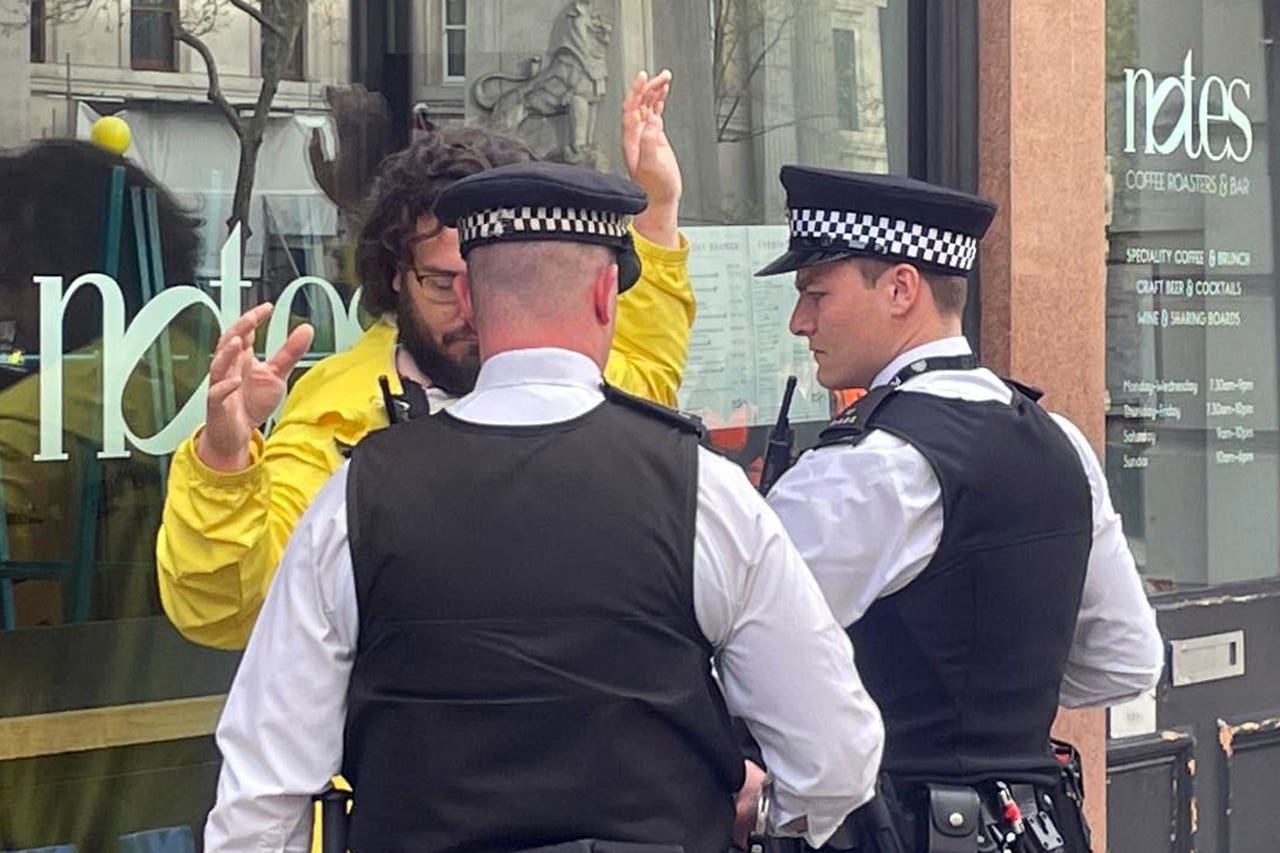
(222, 534)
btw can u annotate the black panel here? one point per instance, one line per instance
(1253, 821)
(1150, 785)
(1234, 791)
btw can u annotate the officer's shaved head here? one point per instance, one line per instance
(533, 281)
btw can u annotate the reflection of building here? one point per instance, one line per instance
(800, 82)
(104, 60)
(789, 82)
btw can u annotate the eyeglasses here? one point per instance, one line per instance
(436, 284)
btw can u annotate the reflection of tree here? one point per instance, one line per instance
(744, 35)
(747, 36)
(280, 22)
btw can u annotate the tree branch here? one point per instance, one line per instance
(761, 131)
(751, 73)
(257, 15)
(216, 97)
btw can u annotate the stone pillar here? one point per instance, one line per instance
(817, 123)
(682, 42)
(1042, 149)
(15, 95)
(773, 107)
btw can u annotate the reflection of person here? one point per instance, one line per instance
(233, 499)
(51, 223)
(55, 196)
(498, 622)
(997, 582)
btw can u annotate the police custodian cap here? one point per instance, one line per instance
(834, 214)
(545, 201)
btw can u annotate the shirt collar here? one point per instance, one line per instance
(944, 347)
(542, 366)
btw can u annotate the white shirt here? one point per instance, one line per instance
(868, 519)
(786, 667)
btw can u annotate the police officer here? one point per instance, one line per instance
(963, 535)
(498, 622)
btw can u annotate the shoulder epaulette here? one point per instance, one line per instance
(674, 417)
(853, 424)
(1031, 392)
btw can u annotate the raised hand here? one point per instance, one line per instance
(243, 390)
(651, 161)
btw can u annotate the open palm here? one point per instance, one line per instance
(243, 389)
(651, 162)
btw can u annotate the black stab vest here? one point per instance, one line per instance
(966, 661)
(529, 668)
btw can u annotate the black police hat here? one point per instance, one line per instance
(835, 214)
(545, 201)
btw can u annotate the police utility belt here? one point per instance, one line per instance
(986, 817)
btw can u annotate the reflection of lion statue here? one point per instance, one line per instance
(569, 81)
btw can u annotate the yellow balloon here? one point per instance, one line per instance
(111, 133)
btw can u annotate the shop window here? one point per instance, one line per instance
(151, 35)
(1193, 420)
(83, 475)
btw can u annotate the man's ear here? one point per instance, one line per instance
(905, 283)
(462, 291)
(604, 293)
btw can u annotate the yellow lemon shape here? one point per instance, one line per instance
(111, 133)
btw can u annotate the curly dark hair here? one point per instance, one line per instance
(406, 187)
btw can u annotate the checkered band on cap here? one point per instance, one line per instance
(884, 236)
(494, 223)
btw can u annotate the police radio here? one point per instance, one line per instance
(777, 450)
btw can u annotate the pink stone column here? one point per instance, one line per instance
(1042, 146)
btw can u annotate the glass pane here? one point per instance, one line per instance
(456, 60)
(151, 39)
(84, 472)
(38, 33)
(1192, 423)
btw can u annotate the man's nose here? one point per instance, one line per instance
(801, 320)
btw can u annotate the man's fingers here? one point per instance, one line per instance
(220, 391)
(225, 357)
(658, 86)
(243, 325)
(294, 348)
(638, 84)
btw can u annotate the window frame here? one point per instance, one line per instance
(39, 49)
(445, 29)
(166, 9)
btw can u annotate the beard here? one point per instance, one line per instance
(452, 374)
